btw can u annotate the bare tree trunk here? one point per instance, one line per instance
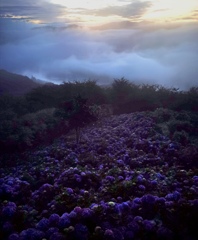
(77, 134)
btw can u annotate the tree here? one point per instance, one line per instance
(78, 114)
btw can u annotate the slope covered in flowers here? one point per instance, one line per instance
(123, 181)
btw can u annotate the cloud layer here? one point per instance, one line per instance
(31, 10)
(132, 10)
(139, 51)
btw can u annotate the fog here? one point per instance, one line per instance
(145, 53)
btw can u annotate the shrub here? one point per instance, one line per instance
(162, 115)
(176, 125)
(181, 137)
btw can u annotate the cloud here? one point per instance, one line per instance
(152, 54)
(37, 9)
(132, 10)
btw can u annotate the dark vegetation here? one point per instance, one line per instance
(49, 111)
(132, 176)
(16, 84)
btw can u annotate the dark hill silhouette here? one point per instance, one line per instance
(15, 84)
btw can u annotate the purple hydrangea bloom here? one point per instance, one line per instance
(70, 190)
(109, 233)
(54, 219)
(51, 231)
(138, 219)
(13, 236)
(9, 210)
(86, 213)
(72, 215)
(120, 162)
(43, 224)
(154, 182)
(32, 234)
(57, 236)
(137, 200)
(142, 187)
(160, 176)
(148, 200)
(133, 226)
(140, 178)
(161, 200)
(148, 225)
(81, 232)
(110, 178)
(173, 196)
(64, 222)
(120, 178)
(78, 210)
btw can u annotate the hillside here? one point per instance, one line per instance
(15, 84)
(124, 181)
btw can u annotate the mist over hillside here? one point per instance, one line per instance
(16, 85)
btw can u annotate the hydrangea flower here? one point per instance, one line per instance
(142, 187)
(70, 191)
(9, 210)
(57, 236)
(81, 232)
(64, 222)
(148, 200)
(54, 219)
(149, 225)
(31, 234)
(51, 231)
(13, 236)
(43, 224)
(108, 233)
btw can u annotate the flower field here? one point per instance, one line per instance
(124, 181)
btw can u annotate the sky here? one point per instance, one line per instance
(151, 41)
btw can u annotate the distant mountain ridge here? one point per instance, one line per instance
(15, 84)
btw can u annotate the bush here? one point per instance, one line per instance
(162, 115)
(181, 137)
(176, 125)
(31, 130)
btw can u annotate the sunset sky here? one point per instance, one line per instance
(152, 41)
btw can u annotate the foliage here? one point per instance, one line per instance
(18, 134)
(162, 115)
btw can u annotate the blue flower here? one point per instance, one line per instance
(142, 187)
(13, 236)
(86, 213)
(149, 225)
(148, 199)
(43, 224)
(51, 231)
(64, 222)
(70, 190)
(54, 219)
(81, 232)
(31, 234)
(160, 176)
(57, 236)
(109, 233)
(9, 210)
(173, 196)
(138, 219)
